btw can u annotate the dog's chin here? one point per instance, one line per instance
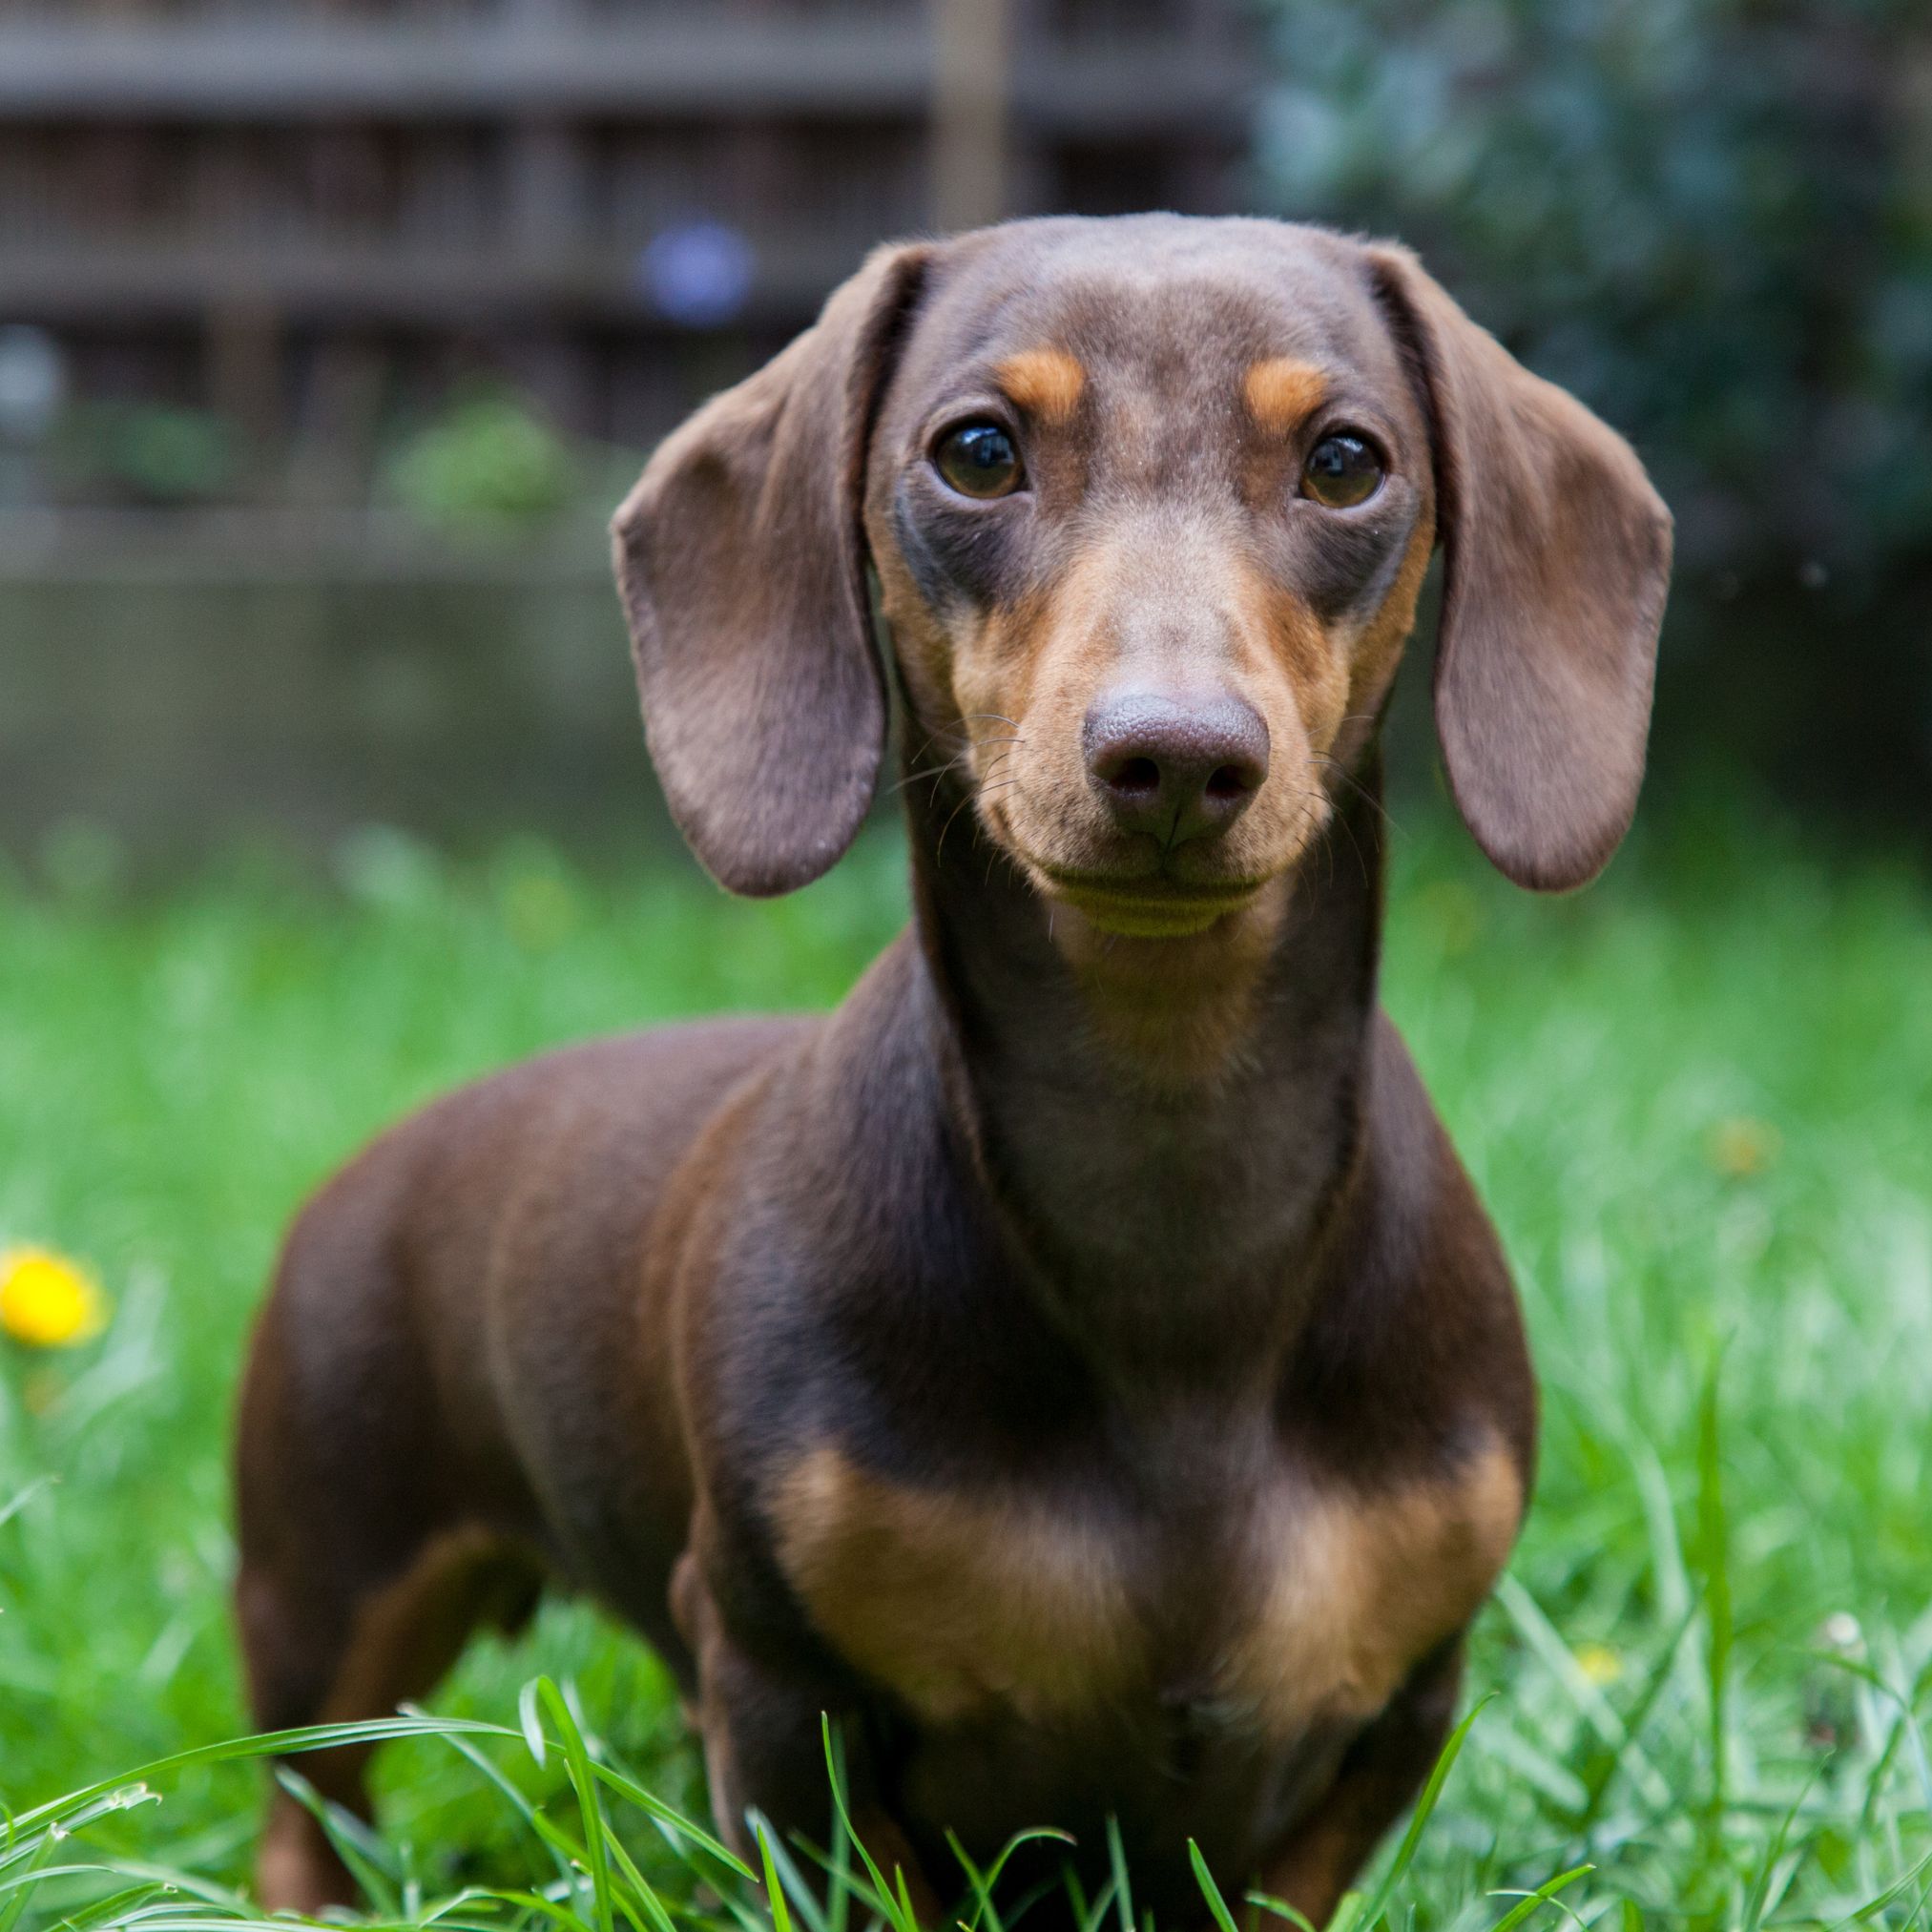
(1197, 890)
(1143, 906)
(1146, 909)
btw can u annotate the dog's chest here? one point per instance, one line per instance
(1296, 1605)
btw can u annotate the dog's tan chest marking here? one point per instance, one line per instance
(970, 1605)
(959, 1603)
(1352, 1591)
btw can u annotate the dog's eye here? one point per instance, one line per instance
(978, 459)
(1342, 469)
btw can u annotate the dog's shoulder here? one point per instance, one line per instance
(1417, 1341)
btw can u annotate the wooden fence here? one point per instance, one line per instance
(284, 209)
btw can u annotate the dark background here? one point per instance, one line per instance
(330, 331)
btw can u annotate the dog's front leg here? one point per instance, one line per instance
(761, 1728)
(1383, 1771)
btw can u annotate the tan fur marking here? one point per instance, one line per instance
(1045, 383)
(1282, 390)
(959, 1603)
(1378, 650)
(1363, 1587)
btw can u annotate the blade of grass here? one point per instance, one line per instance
(1217, 1906)
(1714, 1559)
(116, 1909)
(1123, 1889)
(584, 1782)
(358, 1847)
(1280, 1908)
(1603, 1771)
(37, 1875)
(888, 1904)
(264, 1744)
(30, 1880)
(1543, 1639)
(646, 1893)
(16, 1504)
(1377, 1901)
(802, 1897)
(1895, 1890)
(839, 1897)
(983, 1883)
(774, 1893)
(529, 1721)
(1761, 1890)
(1090, 1919)
(1542, 1896)
(633, 1792)
(506, 1787)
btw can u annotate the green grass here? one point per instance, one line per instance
(1699, 1100)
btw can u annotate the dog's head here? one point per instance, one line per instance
(1150, 501)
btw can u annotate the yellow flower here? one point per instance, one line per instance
(1599, 1663)
(48, 1301)
(1738, 1148)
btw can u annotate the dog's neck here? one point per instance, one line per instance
(1163, 1124)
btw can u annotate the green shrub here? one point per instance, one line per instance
(488, 461)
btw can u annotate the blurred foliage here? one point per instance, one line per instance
(488, 460)
(1712, 219)
(148, 453)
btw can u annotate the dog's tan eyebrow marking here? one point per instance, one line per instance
(1281, 391)
(1045, 383)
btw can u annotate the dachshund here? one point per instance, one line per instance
(1078, 1365)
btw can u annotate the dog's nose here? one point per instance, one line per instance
(1175, 767)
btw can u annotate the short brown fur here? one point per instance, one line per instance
(1079, 1365)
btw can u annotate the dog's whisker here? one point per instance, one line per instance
(1355, 785)
(958, 760)
(932, 772)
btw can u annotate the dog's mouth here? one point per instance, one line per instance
(1146, 907)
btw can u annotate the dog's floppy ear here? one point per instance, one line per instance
(741, 562)
(1556, 561)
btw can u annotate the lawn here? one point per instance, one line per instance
(1697, 1098)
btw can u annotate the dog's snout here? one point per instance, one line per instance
(1173, 766)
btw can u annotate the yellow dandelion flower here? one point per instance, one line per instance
(48, 1301)
(1599, 1663)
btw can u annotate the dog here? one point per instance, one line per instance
(1078, 1365)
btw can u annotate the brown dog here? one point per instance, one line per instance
(1079, 1363)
